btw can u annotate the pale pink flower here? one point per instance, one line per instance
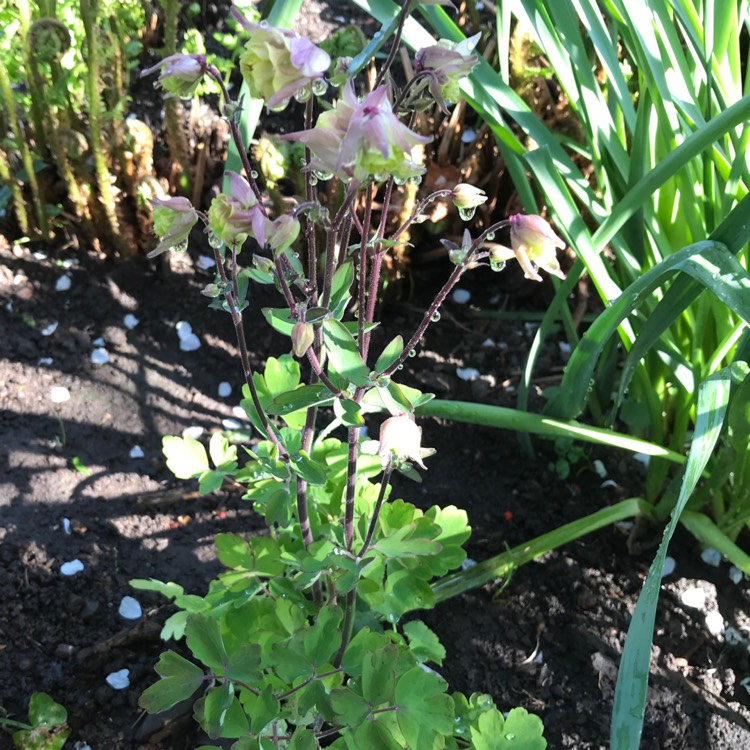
(400, 440)
(235, 215)
(533, 244)
(180, 74)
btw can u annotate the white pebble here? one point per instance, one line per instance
(66, 526)
(100, 356)
(130, 321)
(224, 389)
(58, 394)
(81, 745)
(70, 262)
(694, 597)
(231, 424)
(136, 452)
(49, 330)
(488, 344)
(668, 567)
(468, 136)
(204, 262)
(72, 567)
(129, 608)
(461, 296)
(183, 328)
(193, 431)
(642, 458)
(468, 563)
(600, 469)
(564, 348)
(735, 574)
(239, 412)
(190, 343)
(609, 483)
(119, 680)
(99, 342)
(63, 284)
(467, 373)
(39, 255)
(715, 623)
(711, 557)
(45, 361)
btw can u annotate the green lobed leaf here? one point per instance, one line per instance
(350, 707)
(520, 731)
(186, 457)
(303, 739)
(180, 679)
(423, 643)
(379, 675)
(203, 636)
(349, 412)
(390, 354)
(262, 709)
(45, 712)
(424, 709)
(343, 353)
(233, 551)
(322, 640)
(223, 454)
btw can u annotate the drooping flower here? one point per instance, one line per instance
(173, 218)
(234, 216)
(467, 196)
(277, 63)
(533, 244)
(357, 139)
(400, 440)
(449, 63)
(180, 74)
(280, 233)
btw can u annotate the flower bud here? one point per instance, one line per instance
(173, 218)
(400, 441)
(180, 74)
(281, 233)
(449, 62)
(303, 335)
(467, 196)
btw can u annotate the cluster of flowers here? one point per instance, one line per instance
(355, 140)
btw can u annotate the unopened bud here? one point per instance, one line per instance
(467, 196)
(303, 335)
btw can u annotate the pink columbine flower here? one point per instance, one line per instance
(235, 215)
(277, 64)
(533, 244)
(449, 62)
(467, 196)
(180, 74)
(173, 218)
(400, 440)
(357, 139)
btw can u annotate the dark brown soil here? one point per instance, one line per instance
(129, 518)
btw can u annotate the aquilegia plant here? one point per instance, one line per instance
(298, 645)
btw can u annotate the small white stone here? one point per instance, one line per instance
(100, 356)
(63, 283)
(564, 348)
(467, 373)
(190, 343)
(539, 658)
(668, 567)
(20, 278)
(70, 262)
(98, 342)
(183, 328)
(225, 389)
(609, 483)
(66, 526)
(715, 623)
(119, 680)
(45, 361)
(600, 469)
(735, 574)
(130, 321)
(461, 296)
(81, 745)
(239, 412)
(694, 597)
(468, 136)
(711, 557)
(72, 567)
(503, 346)
(59, 394)
(49, 330)
(468, 563)
(745, 682)
(488, 344)
(136, 452)
(642, 458)
(204, 262)
(129, 608)
(39, 255)
(193, 431)
(231, 424)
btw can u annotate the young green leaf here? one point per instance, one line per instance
(45, 712)
(180, 679)
(186, 457)
(343, 352)
(424, 644)
(424, 709)
(203, 636)
(390, 354)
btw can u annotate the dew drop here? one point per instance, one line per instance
(457, 256)
(400, 180)
(254, 174)
(281, 106)
(180, 247)
(323, 175)
(319, 86)
(215, 241)
(263, 24)
(400, 367)
(412, 352)
(510, 736)
(466, 213)
(312, 179)
(416, 180)
(490, 236)
(303, 95)
(497, 265)
(435, 317)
